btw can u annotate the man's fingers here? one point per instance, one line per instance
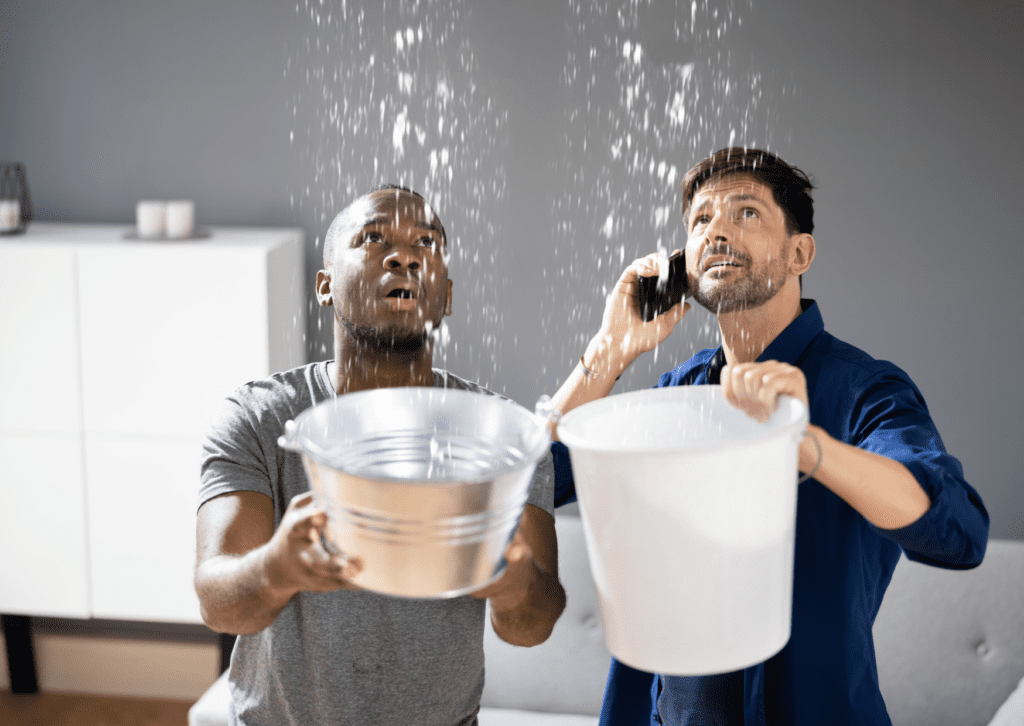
(307, 526)
(755, 387)
(640, 267)
(323, 568)
(301, 500)
(351, 566)
(673, 315)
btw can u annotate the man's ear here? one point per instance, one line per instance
(323, 288)
(448, 302)
(801, 253)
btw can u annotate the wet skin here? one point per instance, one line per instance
(388, 269)
(737, 244)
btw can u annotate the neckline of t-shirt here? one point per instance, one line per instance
(323, 374)
(324, 378)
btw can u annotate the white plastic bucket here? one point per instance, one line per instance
(689, 511)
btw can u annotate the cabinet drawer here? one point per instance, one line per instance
(142, 528)
(167, 333)
(44, 569)
(39, 375)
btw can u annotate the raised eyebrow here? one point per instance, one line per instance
(699, 207)
(697, 210)
(430, 226)
(378, 221)
(387, 220)
(745, 198)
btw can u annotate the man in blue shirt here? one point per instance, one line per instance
(883, 482)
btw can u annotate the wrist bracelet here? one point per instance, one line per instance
(817, 464)
(592, 375)
(586, 371)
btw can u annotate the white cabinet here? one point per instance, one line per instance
(43, 543)
(43, 561)
(115, 356)
(39, 384)
(142, 523)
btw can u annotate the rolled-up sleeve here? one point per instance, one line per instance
(893, 420)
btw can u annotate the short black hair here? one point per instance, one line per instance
(334, 229)
(791, 188)
(388, 185)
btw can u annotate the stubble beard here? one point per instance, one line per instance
(386, 340)
(751, 292)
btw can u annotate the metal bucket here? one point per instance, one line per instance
(425, 485)
(689, 512)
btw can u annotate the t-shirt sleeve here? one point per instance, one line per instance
(542, 486)
(893, 420)
(232, 456)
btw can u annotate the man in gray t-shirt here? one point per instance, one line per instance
(314, 649)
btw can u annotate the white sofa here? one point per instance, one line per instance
(950, 644)
(950, 648)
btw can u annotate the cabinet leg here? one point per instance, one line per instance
(227, 643)
(21, 660)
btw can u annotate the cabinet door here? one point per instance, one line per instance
(167, 332)
(39, 374)
(43, 569)
(142, 528)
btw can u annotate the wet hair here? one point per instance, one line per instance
(790, 186)
(339, 222)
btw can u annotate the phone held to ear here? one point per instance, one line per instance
(657, 294)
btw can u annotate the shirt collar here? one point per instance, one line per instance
(788, 346)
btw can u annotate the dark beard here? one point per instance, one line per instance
(752, 292)
(386, 340)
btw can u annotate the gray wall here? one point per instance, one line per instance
(276, 113)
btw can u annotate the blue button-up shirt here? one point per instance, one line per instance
(843, 563)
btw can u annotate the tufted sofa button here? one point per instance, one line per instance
(983, 649)
(590, 621)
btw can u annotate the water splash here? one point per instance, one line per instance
(389, 93)
(652, 89)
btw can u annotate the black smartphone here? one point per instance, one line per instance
(657, 296)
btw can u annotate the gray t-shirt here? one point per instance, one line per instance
(341, 657)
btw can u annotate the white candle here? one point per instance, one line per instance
(150, 217)
(10, 215)
(180, 219)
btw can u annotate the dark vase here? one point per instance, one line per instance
(14, 188)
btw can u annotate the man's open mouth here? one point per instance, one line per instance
(401, 294)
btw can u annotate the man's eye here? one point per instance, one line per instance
(427, 242)
(374, 237)
(748, 212)
(700, 219)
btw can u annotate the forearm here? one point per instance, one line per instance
(236, 594)
(530, 621)
(881, 489)
(604, 364)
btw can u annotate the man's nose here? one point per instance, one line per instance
(717, 231)
(402, 256)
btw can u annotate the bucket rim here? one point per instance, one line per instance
(574, 441)
(531, 456)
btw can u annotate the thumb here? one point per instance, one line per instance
(309, 525)
(675, 314)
